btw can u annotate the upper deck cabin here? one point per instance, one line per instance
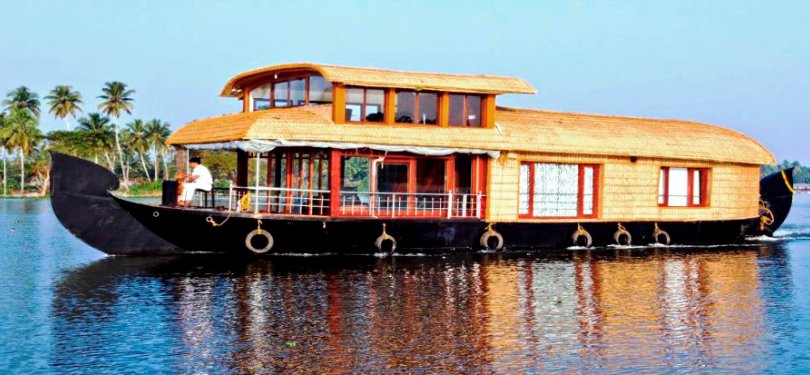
(345, 141)
(363, 95)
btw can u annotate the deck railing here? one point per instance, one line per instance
(377, 204)
(352, 203)
(273, 200)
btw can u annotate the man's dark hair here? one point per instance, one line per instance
(194, 160)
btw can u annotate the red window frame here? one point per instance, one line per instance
(580, 193)
(704, 183)
(465, 104)
(365, 104)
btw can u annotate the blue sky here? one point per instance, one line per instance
(743, 65)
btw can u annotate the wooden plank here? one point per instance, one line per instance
(338, 103)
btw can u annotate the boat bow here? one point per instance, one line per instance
(81, 200)
(776, 196)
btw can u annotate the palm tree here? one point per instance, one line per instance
(64, 102)
(99, 136)
(22, 98)
(3, 147)
(137, 139)
(117, 99)
(157, 132)
(22, 132)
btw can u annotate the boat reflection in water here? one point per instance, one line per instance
(582, 311)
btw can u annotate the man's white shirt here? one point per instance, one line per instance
(204, 180)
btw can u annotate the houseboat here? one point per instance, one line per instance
(359, 160)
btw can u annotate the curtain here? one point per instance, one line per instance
(556, 188)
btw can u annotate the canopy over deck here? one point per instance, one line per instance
(371, 77)
(519, 130)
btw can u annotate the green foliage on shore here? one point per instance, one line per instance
(801, 174)
(137, 152)
(146, 188)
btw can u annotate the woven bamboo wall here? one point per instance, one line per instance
(629, 191)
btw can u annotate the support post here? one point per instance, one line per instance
(338, 103)
(241, 168)
(256, 198)
(334, 183)
(181, 159)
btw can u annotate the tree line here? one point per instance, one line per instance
(135, 152)
(801, 174)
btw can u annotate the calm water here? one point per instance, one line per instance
(64, 307)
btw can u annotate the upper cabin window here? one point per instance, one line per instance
(261, 97)
(682, 187)
(298, 92)
(465, 110)
(281, 94)
(417, 107)
(320, 90)
(365, 105)
(292, 93)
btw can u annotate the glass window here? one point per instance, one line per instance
(405, 106)
(474, 110)
(682, 187)
(465, 110)
(355, 174)
(696, 187)
(365, 104)
(281, 94)
(392, 177)
(354, 104)
(260, 97)
(556, 190)
(430, 175)
(428, 104)
(375, 102)
(457, 110)
(298, 92)
(320, 90)
(678, 186)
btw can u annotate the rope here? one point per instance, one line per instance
(489, 227)
(784, 177)
(385, 235)
(214, 224)
(767, 218)
(581, 230)
(621, 227)
(259, 226)
(243, 202)
(656, 231)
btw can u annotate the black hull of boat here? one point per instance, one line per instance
(190, 229)
(82, 203)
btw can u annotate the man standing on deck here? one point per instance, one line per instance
(200, 179)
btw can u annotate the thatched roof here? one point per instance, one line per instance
(515, 130)
(372, 77)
